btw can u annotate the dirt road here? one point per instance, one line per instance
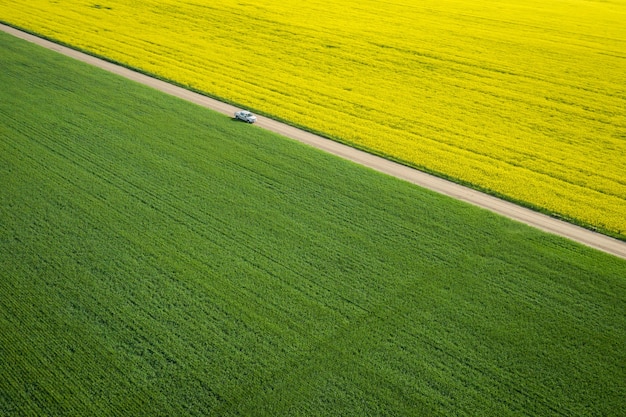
(513, 211)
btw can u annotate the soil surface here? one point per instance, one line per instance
(496, 205)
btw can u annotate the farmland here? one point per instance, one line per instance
(522, 99)
(160, 259)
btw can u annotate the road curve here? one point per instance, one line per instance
(496, 205)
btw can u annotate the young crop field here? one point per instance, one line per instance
(157, 258)
(524, 99)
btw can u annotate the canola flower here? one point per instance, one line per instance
(525, 99)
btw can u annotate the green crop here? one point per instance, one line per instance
(157, 258)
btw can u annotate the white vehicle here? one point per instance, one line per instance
(246, 116)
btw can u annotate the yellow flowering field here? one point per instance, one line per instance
(526, 99)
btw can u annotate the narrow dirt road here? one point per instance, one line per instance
(513, 211)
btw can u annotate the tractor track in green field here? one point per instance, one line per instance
(513, 211)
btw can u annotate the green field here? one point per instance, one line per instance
(157, 258)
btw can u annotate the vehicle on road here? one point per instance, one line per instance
(245, 116)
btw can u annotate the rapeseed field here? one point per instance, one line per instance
(523, 99)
